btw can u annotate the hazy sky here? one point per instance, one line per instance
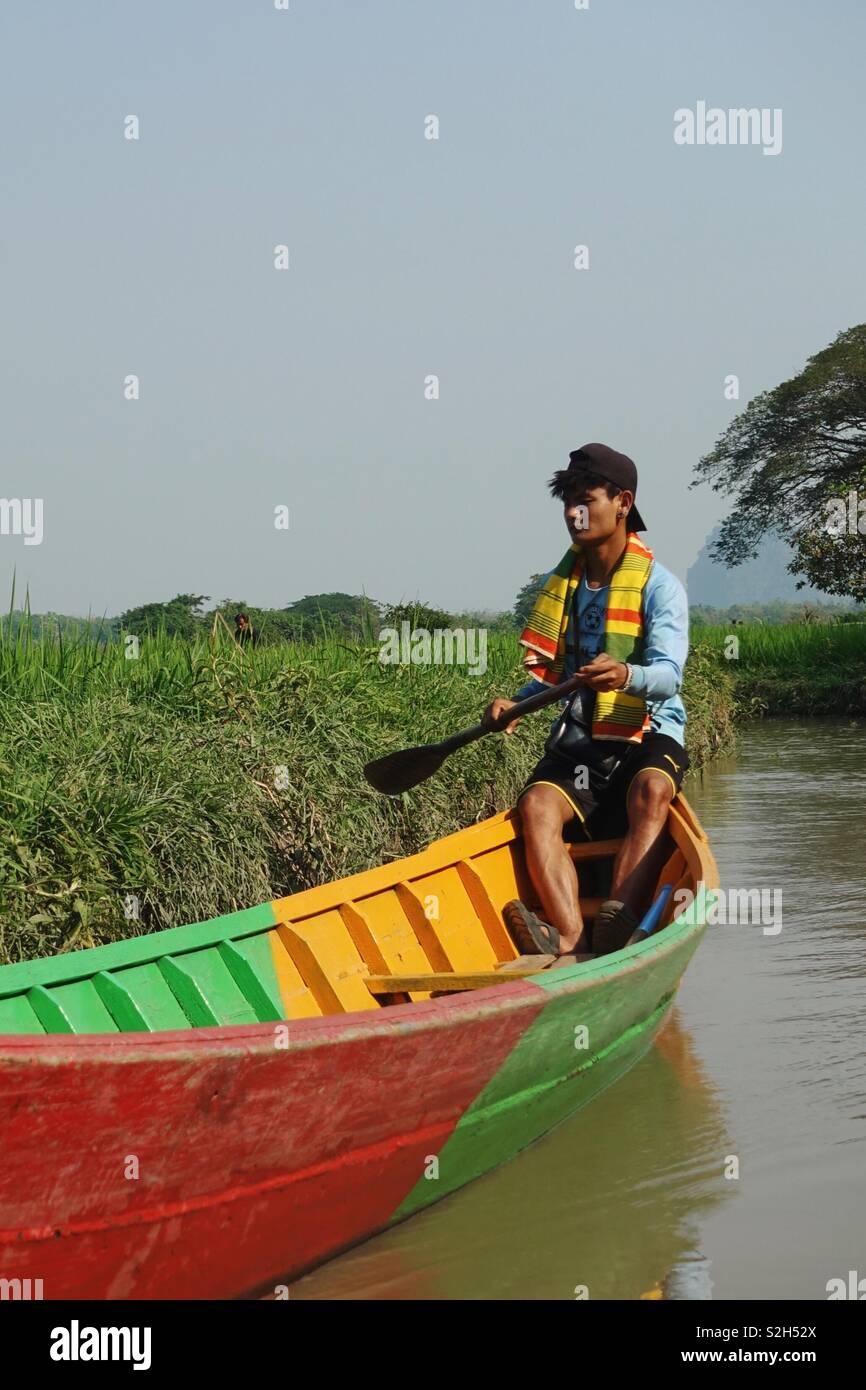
(408, 257)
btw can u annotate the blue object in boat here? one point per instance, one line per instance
(650, 921)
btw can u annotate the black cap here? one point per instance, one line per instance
(615, 468)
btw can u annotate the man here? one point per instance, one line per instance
(243, 629)
(611, 614)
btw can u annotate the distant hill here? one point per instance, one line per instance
(761, 580)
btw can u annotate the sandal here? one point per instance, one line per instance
(613, 927)
(529, 933)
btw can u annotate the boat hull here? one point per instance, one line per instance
(143, 1159)
(253, 1161)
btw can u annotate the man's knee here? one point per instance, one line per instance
(649, 798)
(541, 811)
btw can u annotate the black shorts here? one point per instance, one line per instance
(601, 813)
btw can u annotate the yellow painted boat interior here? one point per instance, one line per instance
(438, 913)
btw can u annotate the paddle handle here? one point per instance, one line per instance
(517, 711)
(539, 701)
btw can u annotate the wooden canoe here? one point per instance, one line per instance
(210, 1111)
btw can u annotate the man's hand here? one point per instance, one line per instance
(603, 673)
(494, 710)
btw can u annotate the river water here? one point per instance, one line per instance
(730, 1162)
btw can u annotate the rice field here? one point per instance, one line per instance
(793, 668)
(143, 792)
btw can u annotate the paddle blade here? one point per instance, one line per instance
(397, 772)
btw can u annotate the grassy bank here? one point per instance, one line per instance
(202, 779)
(792, 668)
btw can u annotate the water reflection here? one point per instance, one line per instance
(610, 1201)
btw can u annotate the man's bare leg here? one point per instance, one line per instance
(646, 845)
(543, 813)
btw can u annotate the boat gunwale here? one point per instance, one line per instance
(304, 1032)
(67, 967)
(308, 1033)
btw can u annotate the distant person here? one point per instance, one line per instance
(615, 759)
(243, 629)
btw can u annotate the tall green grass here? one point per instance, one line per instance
(795, 646)
(162, 777)
(793, 668)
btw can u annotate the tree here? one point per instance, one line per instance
(525, 600)
(181, 616)
(417, 615)
(493, 619)
(349, 615)
(792, 459)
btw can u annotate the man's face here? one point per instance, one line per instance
(591, 516)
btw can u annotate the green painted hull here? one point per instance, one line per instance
(597, 1021)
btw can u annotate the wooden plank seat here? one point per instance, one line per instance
(439, 980)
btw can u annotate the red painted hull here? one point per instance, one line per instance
(255, 1162)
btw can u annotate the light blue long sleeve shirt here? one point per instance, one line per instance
(659, 677)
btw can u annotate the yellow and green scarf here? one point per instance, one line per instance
(618, 714)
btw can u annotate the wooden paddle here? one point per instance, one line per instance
(397, 772)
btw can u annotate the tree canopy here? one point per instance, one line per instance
(181, 616)
(417, 615)
(525, 600)
(351, 616)
(790, 460)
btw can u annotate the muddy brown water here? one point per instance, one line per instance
(761, 1071)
